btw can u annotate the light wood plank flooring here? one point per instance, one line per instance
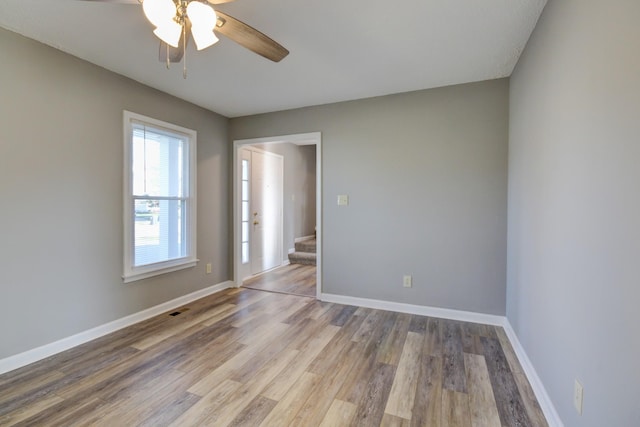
(244, 357)
(295, 279)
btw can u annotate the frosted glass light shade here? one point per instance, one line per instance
(203, 37)
(203, 21)
(159, 12)
(169, 33)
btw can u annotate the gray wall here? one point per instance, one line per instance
(61, 195)
(299, 189)
(426, 173)
(574, 207)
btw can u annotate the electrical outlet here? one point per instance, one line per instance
(343, 200)
(577, 396)
(209, 268)
(407, 281)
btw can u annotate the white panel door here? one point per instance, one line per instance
(266, 211)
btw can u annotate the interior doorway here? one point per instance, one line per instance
(247, 244)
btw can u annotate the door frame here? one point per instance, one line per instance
(312, 138)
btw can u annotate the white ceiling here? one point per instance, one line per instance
(340, 50)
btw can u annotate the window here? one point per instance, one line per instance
(245, 211)
(159, 197)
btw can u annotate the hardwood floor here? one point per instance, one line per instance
(295, 279)
(244, 357)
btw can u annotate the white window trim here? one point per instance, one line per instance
(130, 272)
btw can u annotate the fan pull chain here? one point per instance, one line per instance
(184, 50)
(168, 62)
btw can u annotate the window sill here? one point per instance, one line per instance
(151, 271)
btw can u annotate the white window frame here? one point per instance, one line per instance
(244, 238)
(131, 272)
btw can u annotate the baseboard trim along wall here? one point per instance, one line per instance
(422, 310)
(546, 405)
(540, 391)
(19, 360)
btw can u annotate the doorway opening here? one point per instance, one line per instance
(262, 251)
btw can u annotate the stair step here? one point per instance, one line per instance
(306, 246)
(306, 258)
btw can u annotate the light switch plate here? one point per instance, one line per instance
(407, 281)
(343, 200)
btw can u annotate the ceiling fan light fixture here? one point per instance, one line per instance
(203, 37)
(203, 21)
(159, 12)
(169, 33)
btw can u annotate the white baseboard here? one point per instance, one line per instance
(22, 359)
(540, 391)
(444, 313)
(303, 238)
(547, 406)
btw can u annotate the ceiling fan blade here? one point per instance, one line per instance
(249, 37)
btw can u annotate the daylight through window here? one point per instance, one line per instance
(160, 198)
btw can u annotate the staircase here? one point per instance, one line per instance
(305, 253)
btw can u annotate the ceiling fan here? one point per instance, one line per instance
(178, 20)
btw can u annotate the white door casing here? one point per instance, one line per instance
(241, 270)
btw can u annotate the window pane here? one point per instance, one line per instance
(245, 252)
(245, 170)
(245, 211)
(158, 163)
(159, 231)
(245, 190)
(245, 231)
